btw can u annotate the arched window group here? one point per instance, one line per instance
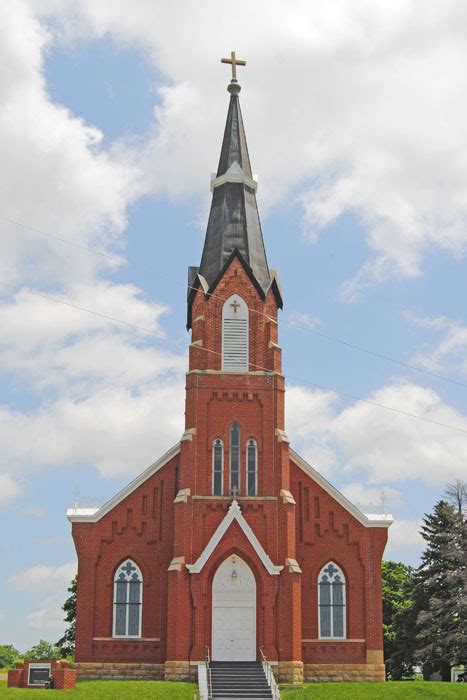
(128, 594)
(331, 602)
(250, 485)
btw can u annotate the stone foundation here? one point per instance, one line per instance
(334, 673)
(289, 671)
(119, 671)
(181, 671)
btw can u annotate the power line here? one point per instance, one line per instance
(294, 324)
(251, 365)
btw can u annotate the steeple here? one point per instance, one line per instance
(234, 226)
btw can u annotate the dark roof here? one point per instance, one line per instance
(234, 223)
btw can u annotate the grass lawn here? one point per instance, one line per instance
(120, 690)
(408, 690)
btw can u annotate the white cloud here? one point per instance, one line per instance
(49, 616)
(388, 447)
(43, 578)
(120, 431)
(302, 320)
(368, 98)
(404, 535)
(449, 352)
(365, 497)
(9, 488)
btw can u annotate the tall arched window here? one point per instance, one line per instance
(251, 467)
(128, 583)
(331, 601)
(235, 457)
(217, 467)
(235, 335)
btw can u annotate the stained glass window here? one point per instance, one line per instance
(331, 601)
(252, 468)
(235, 457)
(127, 600)
(217, 467)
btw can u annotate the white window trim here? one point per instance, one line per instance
(234, 513)
(243, 315)
(251, 439)
(140, 621)
(239, 457)
(222, 464)
(344, 598)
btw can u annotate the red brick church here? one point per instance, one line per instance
(230, 541)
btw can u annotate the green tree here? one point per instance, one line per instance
(67, 642)
(398, 609)
(8, 655)
(440, 593)
(43, 650)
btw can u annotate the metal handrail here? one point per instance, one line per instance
(208, 671)
(269, 675)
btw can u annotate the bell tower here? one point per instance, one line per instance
(234, 456)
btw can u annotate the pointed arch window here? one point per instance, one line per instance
(217, 467)
(252, 467)
(128, 585)
(235, 457)
(235, 335)
(331, 602)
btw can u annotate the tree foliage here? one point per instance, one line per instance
(440, 592)
(8, 655)
(398, 609)
(67, 642)
(43, 650)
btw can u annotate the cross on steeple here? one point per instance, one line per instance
(235, 305)
(234, 492)
(234, 62)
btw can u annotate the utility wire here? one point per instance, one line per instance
(251, 365)
(294, 324)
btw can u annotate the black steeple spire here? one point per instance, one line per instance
(234, 226)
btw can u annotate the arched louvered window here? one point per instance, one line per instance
(235, 458)
(252, 467)
(331, 602)
(128, 594)
(217, 467)
(235, 335)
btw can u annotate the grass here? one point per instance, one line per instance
(121, 690)
(137, 690)
(373, 691)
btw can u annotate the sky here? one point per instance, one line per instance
(111, 124)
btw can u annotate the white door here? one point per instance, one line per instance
(234, 612)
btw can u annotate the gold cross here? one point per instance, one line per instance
(234, 62)
(234, 492)
(235, 305)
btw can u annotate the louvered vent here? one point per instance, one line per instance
(235, 335)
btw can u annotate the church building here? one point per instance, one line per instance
(230, 543)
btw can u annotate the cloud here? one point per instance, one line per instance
(300, 319)
(372, 98)
(56, 176)
(9, 488)
(404, 535)
(49, 584)
(367, 498)
(120, 431)
(43, 578)
(450, 351)
(388, 447)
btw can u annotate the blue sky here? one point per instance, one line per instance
(113, 123)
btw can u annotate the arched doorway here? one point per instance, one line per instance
(234, 612)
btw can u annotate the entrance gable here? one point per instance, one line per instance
(234, 514)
